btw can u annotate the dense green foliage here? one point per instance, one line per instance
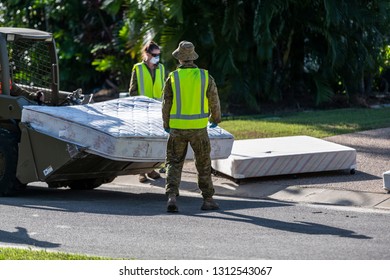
(83, 31)
(300, 53)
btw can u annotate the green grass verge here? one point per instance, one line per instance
(29, 254)
(318, 124)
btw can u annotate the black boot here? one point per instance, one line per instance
(171, 204)
(209, 204)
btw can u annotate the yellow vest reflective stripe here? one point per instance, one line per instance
(145, 82)
(190, 106)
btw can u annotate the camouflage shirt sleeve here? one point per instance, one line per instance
(133, 88)
(167, 102)
(214, 104)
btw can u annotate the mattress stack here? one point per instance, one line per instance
(127, 129)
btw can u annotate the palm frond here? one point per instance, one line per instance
(324, 91)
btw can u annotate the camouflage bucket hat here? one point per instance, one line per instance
(185, 51)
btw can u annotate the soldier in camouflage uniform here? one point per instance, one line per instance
(190, 100)
(147, 78)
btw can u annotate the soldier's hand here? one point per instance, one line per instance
(40, 97)
(212, 125)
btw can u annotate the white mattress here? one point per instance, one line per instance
(121, 129)
(284, 155)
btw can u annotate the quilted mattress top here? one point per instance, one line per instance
(124, 117)
(121, 124)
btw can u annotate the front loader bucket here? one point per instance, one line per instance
(48, 159)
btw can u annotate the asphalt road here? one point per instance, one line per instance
(130, 222)
(330, 215)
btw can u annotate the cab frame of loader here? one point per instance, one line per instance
(29, 60)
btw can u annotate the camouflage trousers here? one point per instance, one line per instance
(176, 153)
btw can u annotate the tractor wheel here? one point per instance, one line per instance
(9, 184)
(89, 184)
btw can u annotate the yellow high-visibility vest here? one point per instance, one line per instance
(145, 83)
(190, 106)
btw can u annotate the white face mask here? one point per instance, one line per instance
(155, 59)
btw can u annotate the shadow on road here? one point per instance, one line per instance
(22, 237)
(301, 227)
(114, 202)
